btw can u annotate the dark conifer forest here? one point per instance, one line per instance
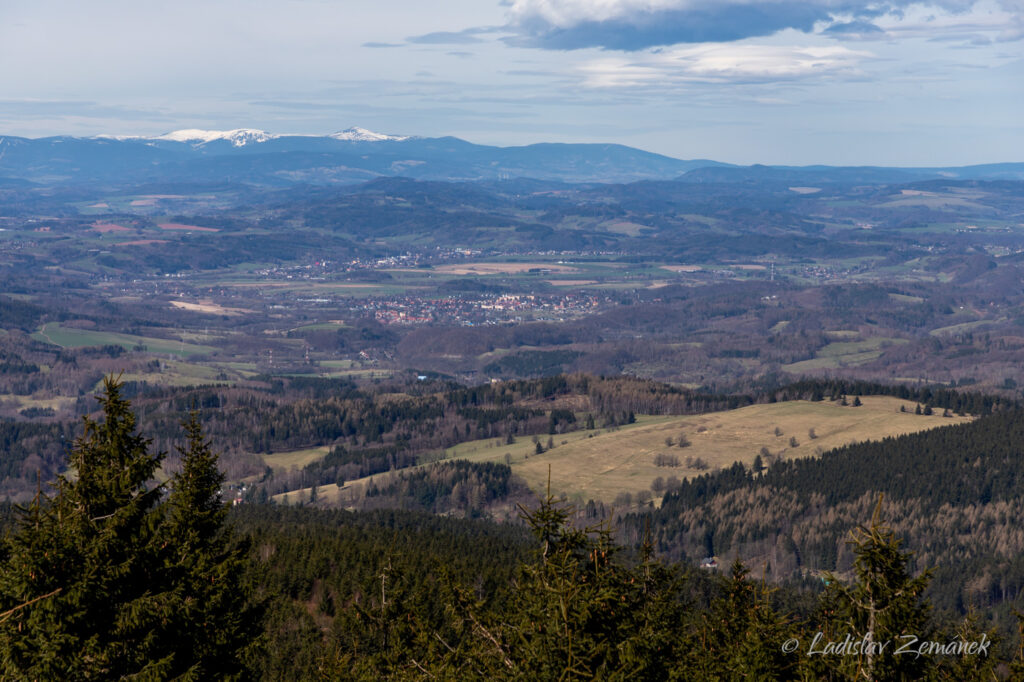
(112, 575)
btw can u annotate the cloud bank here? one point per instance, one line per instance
(631, 25)
(723, 63)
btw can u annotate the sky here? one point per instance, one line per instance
(845, 82)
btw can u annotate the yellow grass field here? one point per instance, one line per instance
(22, 402)
(283, 461)
(625, 227)
(622, 460)
(208, 307)
(602, 463)
(499, 268)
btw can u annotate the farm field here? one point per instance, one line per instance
(843, 354)
(176, 373)
(283, 461)
(501, 268)
(623, 460)
(603, 463)
(67, 337)
(208, 307)
(22, 402)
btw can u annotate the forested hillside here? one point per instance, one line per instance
(157, 580)
(953, 493)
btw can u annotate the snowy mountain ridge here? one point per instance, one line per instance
(241, 137)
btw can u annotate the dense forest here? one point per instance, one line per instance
(953, 493)
(371, 428)
(114, 576)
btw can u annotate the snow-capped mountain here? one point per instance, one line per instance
(243, 136)
(239, 137)
(357, 134)
(355, 155)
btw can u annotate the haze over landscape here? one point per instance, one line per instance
(519, 340)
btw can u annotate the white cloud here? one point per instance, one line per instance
(723, 63)
(564, 13)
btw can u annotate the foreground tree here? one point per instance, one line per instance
(101, 579)
(579, 612)
(91, 549)
(884, 603)
(214, 624)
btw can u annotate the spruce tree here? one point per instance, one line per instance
(213, 624)
(105, 580)
(91, 549)
(883, 604)
(742, 636)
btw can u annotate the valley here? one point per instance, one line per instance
(718, 363)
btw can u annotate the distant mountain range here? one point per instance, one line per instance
(356, 155)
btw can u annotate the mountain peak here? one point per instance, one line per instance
(239, 137)
(357, 134)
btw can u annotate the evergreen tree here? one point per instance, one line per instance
(564, 603)
(743, 635)
(105, 581)
(883, 604)
(91, 549)
(213, 625)
(758, 465)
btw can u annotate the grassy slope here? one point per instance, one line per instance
(67, 337)
(623, 460)
(602, 463)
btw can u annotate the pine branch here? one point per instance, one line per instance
(7, 614)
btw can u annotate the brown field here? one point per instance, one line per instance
(99, 205)
(611, 462)
(208, 307)
(192, 228)
(283, 461)
(296, 284)
(144, 202)
(570, 282)
(682, 268)
(626, 227)
(142, 242)
(500, 268)
(603, 463)
(933, 200)
(109, 227)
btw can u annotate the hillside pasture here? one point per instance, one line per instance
(603, 463)
(68, 337)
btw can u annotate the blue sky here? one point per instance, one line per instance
(745, 81)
